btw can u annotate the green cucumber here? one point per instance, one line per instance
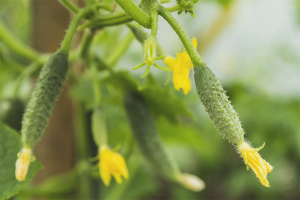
(146, 135)
(99, 127)
(47, 89)
(216, 103)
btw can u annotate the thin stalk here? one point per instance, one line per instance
(120, 49)
(187, 43)
(85, 45)
(66, 44)
(96, 88)
(16, 45)
(135, 12)
(81, 133)
(83, 151)
(141, 35)
(154, 20)
(70, 6)
(174, 8)
(108, 20)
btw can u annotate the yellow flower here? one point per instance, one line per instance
(259, 166)
(180, 67)
(22, 164)
(111, 163)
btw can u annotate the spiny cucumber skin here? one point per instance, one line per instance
(146, 135)
(216, 103)
(47, 89)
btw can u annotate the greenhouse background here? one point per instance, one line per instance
(251, 45)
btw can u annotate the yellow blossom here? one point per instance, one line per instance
(180, 67)
(259, 166)
(111, 164)
(22, 164)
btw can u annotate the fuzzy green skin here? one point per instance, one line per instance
(146, 135)
(216, 103)
(47, 89)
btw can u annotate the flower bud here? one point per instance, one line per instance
(23, 163)
(150, 50)
(192, 182)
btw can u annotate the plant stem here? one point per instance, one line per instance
(135, 12)
(96, 88)
(120, 49)
(195, 57)
(141, 35)
(81, 133)
(15, 44)
(174, 8)
(107, 20)
(67, 42)
(154, 19)
(70, 6)
(84, 48)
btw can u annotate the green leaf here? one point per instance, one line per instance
(10, 145)
(161, 101)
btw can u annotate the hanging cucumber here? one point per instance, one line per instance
(146, 135)
(151, 146)
(216, 103)
(47, 89)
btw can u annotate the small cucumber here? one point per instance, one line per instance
(99, 127)
(146, 135)
(47, 89)
(216, 103)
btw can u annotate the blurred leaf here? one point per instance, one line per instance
(161, 101)
(10, 145)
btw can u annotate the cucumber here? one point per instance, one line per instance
(47, 89)
(146, 135)
(99, 127)
(216, 103)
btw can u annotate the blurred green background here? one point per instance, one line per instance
(252, 46)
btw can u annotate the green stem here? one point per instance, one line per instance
(174, 8)
(141, 35)
(107, 20)
(154, 20)
(15, 44)
(69, 5)
(120, 49)
(67, 42)
(81, 133)
(195, 57)
(73, 8)
(135, 12)
(85, 45)
(96, 88)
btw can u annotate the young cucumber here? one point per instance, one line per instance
(43, 98)
(146, 135)
(217, 105)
